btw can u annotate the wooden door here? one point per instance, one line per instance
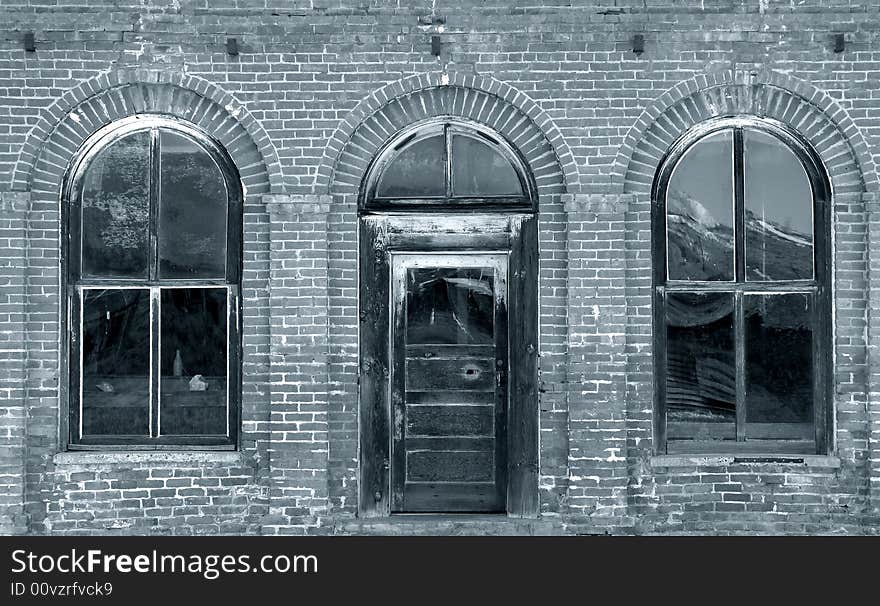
(449, 381)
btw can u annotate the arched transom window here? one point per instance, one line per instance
(448, 162)
(742, 291)
(153, 266)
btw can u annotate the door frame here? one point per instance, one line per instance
(381, 234)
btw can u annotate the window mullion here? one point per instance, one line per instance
(447, 160)
(739, 212)
(154, 204)
(155, 360)
(155, 308)
(739, 256)
(740, 354)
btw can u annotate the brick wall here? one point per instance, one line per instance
(593, 119)
(13, 230)
(298, 362)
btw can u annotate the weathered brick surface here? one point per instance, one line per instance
(151, 494)
(13, 358)
(298, 417)
(596, 365)
(317, 88)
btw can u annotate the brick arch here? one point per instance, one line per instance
(480, 98)
(810, 111)
(96, 102)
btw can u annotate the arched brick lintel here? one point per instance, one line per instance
(81, 111)
(477, 97)
(810, 111)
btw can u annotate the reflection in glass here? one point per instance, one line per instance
(779, 211)
(193, 361)
(779, 366)
(450, 306)
(116, 362)
(116, 210)
(193, 209)
(479, 170)
(699, 212)
(418, 171)
(700, 358)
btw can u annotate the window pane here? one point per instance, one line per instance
(450, 306)
(779, 358)
(193, 361)
(116, 362)
(479, 170)
(116, 210)
(699, 212)
(779, 211)
(418, 171)
(192, 219)
(700, 366)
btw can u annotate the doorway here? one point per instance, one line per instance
(448, 364)
(449, 370)
(448, 347)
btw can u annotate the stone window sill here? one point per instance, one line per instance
(232, 458)
(803, 460)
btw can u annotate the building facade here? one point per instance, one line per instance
(532, 268)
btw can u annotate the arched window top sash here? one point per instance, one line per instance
(448, 163)
(171, 194)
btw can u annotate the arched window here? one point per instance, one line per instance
(153, 210)
(741, 283)
(448, 162)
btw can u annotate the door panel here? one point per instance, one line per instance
(449, 364)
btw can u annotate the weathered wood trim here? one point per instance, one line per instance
(503, 374)
(397, 337)
(522, 420)
(374, 452)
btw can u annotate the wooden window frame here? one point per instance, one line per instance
(818, 290)
(76, 285)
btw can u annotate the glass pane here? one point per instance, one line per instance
(416, 172)
(193, 361)
(116, 362)
(116, 210)
(699, 212)
(779, 211)
(480, 170)
(779, 358)
(700, 365)
(448, 305)
(192, 213)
